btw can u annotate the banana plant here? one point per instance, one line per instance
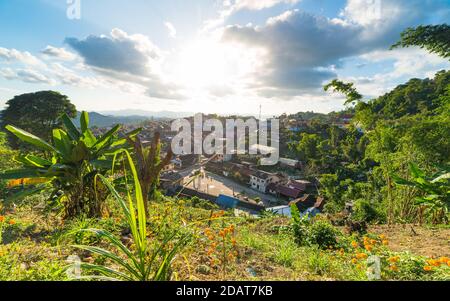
(69, 165)
(435, 191)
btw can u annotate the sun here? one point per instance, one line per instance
(207, 63)
(203, 64)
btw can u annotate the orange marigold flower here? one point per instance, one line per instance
(385, 242)
(444, 260)
(394, 259)
(354, 244)
(12, 222)
(393, 268)
(369, 248)
(427, 268)
(2, 218)
(373, 241)
(222, 233)
(361, 256)
(382, 237)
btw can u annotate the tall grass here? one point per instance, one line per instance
(143, 260)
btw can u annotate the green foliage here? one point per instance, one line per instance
(37, 113)
(435, 191)
(345, 88)
(143, 261)
(364, 211)
(434, 38)
(69, 167)
(322, 234)
(196, 202)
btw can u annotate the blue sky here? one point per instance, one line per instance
(221, 56)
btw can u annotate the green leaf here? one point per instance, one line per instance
(62, 143)
(23, 194)
(106, 137)
(20, 174)
(84, 122)
(30, 138)
(70, 127)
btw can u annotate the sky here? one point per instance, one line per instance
(211, 56)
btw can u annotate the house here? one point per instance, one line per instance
(290, 163)
(171, 180)
(284, 190)
(302, 185)
(188, 160)
(260, 180)
(308, 201)
(307, 205)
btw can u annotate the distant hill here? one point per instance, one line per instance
(99, 120)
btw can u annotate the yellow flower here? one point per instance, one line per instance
(373, 241)
(393, 268)
(361, 256)
(385, 242)
(382, 237)
(354, 244)
(444, 260)
(427, 268)
(394, 259)
(354, 261)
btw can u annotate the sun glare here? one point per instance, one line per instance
(206, 63)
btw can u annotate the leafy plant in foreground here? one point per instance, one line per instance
(436, 190)
(68, 167)
(141, 261)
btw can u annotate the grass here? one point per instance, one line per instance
(37, 246)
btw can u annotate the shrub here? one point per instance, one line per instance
(323, 234)
(364, 211)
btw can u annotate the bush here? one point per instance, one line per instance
(323, 234)
(364, 211)
(196, 202)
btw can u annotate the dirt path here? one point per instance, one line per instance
(425, 241)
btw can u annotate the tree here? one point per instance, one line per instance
(37, 113)
(70, 175)
(345, 88)
(434, 38)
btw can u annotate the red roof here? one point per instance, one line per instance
(288, 191)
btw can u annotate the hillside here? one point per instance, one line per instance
(99, 120)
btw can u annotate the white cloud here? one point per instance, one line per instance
(58, 53)
(127, 58)
(13, 55)
(172, 29)
(26, 75)
(305, 50)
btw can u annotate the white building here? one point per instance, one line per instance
(260, 180)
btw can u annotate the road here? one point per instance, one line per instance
(215, 185)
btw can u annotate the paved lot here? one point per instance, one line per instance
(215, 185)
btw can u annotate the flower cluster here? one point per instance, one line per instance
(221, 246)
(436, 263)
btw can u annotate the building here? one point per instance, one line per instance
(260, 180)
(170, 181)
(290, 163)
